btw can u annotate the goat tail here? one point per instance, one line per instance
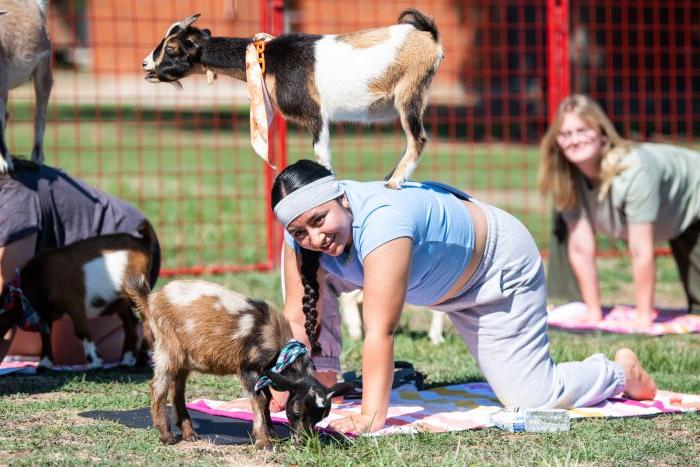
(420, 22)
(147, 233)
(137, 289)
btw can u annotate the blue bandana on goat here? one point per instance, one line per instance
(290, 352)
(31, 321)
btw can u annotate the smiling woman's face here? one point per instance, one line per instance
(580, 143)
(326, 228)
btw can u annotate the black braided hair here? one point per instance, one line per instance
(293, 177)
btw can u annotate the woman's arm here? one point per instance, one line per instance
(294, 313)
(581, 251)
(641, 247)
(386, 276)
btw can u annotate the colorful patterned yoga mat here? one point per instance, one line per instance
(461, 407)
(619, 320)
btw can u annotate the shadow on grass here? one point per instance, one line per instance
(48, 380)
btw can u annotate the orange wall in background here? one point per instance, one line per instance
(122, 32)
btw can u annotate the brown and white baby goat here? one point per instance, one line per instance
(25, 53)
(366, 76)
(201, 326)
(82, 280)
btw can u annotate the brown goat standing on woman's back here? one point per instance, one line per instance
(202, 326)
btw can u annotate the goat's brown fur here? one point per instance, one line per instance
(55, 282)
(201, 326)
(365, 39)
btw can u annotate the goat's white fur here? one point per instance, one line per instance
(343, 74)
(103, 280)
(183, 293)
(245, 327)
(90, 350)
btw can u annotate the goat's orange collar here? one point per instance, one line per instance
(260, 49)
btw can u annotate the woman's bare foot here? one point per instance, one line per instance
(638, 384)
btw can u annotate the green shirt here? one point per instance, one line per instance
(660, 185)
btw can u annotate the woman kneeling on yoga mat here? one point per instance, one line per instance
(431, 245)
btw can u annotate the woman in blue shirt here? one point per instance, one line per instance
(428, 244)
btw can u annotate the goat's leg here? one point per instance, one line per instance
(130, 350)
(5, 159)
(43, 82)
(262, 421)
(159, 397)
(322, 145)
(183, 417)
(350, 312)
(437, 323)
(92, 355)
(46, 360)
(411, 114)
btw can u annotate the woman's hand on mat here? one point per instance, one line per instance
(360, 423)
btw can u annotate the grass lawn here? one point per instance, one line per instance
(42, 425)
(202, 186)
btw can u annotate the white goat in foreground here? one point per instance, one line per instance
(25, 53)
(366, 76)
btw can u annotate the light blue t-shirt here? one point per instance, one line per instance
(438, 222)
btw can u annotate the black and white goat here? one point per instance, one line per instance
(204, 327)
(82, 280)
(365, 76)
(25, 53)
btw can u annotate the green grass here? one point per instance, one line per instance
(42, 424)
(204, 189)
(196, 177)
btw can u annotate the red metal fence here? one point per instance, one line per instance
(184, 157)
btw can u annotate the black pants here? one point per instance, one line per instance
(562, 283)
(686, 252)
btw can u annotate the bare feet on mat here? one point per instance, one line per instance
(638, 384)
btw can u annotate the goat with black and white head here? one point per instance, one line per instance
(25, 53)
(366, 76)
(204, 327)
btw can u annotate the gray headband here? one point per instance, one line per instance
(307, 197)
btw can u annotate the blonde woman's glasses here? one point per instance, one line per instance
(580, 134)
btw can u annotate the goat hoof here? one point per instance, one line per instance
(169, 439)
(128, 360)
(190, 437)
(393, 184)
(263, 444)
(45, 364)
(6, 166)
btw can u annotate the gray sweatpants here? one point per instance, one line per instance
(501, 315)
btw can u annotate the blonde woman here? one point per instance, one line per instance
(639, 192)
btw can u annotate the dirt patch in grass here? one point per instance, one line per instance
(228, 454)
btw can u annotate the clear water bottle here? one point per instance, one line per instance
(517, 420)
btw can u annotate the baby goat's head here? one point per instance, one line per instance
(178, 54)
(309, 401)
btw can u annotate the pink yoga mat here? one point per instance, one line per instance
(619, 320)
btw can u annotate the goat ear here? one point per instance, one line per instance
(206, 32)
(282, 382)
(340, 389)
(187, 22)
